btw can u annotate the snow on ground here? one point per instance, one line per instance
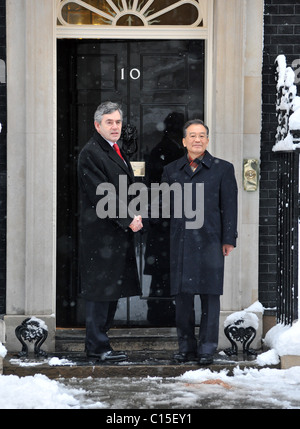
(37, 392)
(264, 388)
(249, 388)
(281, 340)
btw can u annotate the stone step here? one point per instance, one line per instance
(139, 364)
(129, 339)
(150, 353)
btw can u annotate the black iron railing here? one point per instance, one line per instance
(288, 218)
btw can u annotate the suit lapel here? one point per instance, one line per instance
(206, 161)
(115, 157)
(188, 170)
(112, 154)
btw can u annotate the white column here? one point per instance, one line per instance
(251, 148)
(31, 199)
(238, 45)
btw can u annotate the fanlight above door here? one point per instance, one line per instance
(128, 13)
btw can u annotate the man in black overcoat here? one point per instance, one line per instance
(198, 247)
(108, 268)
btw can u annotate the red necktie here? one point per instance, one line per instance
(117, 149)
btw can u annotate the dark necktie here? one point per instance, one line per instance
(117, 149)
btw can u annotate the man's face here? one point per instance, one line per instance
(196, 140)
(110, 127)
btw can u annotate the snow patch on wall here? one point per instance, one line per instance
(287, 108)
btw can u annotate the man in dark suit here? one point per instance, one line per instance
(197, 252)
(108, 265)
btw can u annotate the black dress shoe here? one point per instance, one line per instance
(113, 356)
(205, 359)
(110, 356)
(185, 357)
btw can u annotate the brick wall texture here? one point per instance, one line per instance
(281, 36)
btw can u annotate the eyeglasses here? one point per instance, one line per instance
(200, 136)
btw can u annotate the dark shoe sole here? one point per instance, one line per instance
(115, 359)
(183, 359)
(108, 357)
(205, 361)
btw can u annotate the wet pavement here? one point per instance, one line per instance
(151, 380)
(182, 394)
(139, 364)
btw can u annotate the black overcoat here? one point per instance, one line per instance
(196, 259)
(108, 268)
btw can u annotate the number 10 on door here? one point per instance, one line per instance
(134, 74)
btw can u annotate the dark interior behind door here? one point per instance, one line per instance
(160, 85)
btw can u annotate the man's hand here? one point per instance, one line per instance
(136, 224)
(227, 248)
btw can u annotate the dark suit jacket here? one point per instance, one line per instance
(197, 262)
(107, 252)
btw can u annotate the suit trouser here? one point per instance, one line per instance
(99, 319)
(209, 324)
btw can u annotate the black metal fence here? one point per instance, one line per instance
(288, 219)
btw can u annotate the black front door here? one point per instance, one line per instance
(160, 85)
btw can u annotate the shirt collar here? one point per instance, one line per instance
(207, 160)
